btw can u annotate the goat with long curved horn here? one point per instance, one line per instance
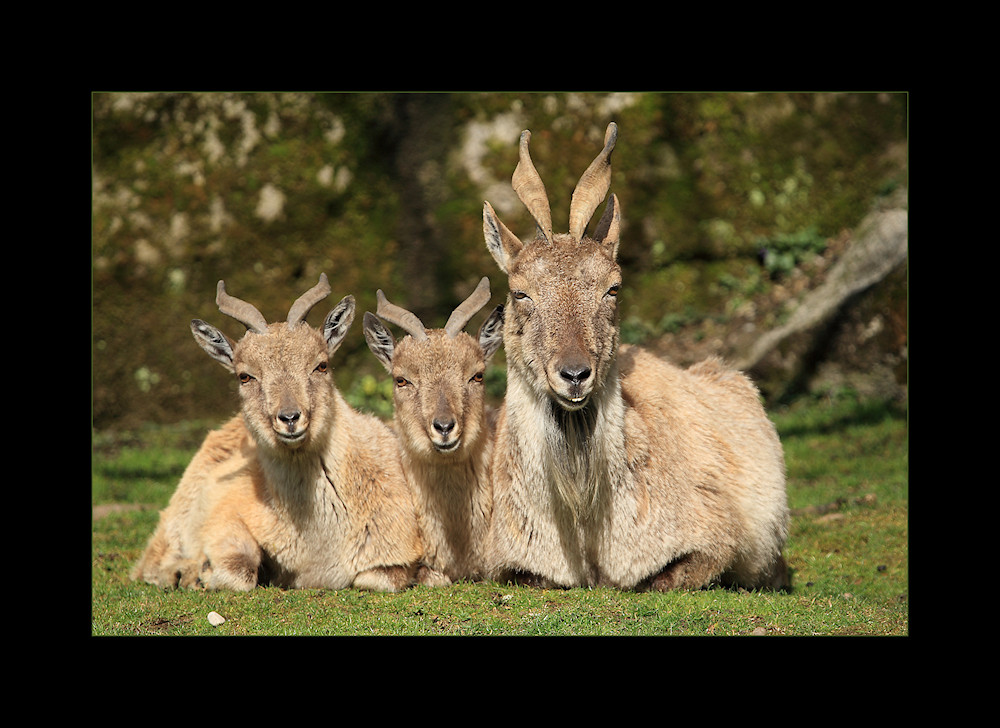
(628, 471)
(529, 188)
(593, 186)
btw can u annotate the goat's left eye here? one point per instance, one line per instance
(477, 377)
(321, 367)
(613, 291)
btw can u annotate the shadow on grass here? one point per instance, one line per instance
(839, 416)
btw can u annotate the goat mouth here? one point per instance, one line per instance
(446, 446)
(572, 397)
(572, 403)
(291, 439)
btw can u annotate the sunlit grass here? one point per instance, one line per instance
(848, 550)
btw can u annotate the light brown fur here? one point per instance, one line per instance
(300, 490)
(446, 436)
(612, 466)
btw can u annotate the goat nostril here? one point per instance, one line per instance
(444, 427)
(289, 418)
(575, 375)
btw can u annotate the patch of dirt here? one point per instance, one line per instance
(108, 508)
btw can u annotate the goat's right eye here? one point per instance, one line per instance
(400, 382)
(520, 295)
(244, 378)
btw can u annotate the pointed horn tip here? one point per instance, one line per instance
(323, 287)
(611, 137)
(523, 143)
(221, 294)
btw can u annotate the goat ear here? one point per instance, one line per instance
(609, 227)
(491, 333)
(337, 322)
(379, 340)
(501, 242)
(213, 341)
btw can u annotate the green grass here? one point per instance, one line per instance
(848, 549)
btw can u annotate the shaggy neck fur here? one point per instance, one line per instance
(298, 480)
(454, 498)
(579, 452)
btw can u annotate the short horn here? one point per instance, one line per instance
(468, 308)
(242, 311)
(529, 188)
(593, 186)
(300, 309)
(404, 319)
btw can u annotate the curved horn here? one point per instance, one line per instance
(242, 311)
(307, 300)
(593, 186)
(404, 319)
(468, 308)
(528, 186)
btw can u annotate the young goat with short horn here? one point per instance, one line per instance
(299, 491)
(445, 429)
(612, 466)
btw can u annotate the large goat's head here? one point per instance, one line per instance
(286, 386)
(561, 330)
(439, 393)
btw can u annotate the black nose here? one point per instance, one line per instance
(444, 426)
(575, 374)
(289, 417)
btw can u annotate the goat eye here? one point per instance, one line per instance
(321, 367)
(477, 377)
(520, 295)
(245, 378)
(400, 382)
(613, 291)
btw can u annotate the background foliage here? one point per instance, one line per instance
(722, 195)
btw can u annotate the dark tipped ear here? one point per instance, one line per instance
(491, 333)
(609, 227)
(379, 340)
(337, 322)
(213, 341)
(501, 242)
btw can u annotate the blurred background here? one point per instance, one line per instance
(761, 227)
